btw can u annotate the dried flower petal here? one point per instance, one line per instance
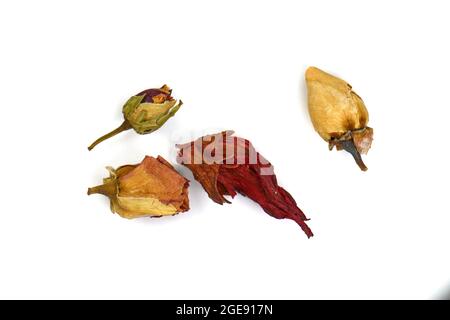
(150, 189)
(338, 114)
(227, 165)
(145, 112)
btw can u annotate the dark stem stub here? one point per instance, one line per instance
(349, 146)
(346, 143)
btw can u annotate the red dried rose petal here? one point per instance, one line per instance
(226, 165)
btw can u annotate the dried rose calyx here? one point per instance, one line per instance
(145, 112)
(338, 114)
(227, 165)
(150, 189)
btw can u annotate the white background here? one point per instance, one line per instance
(66, 69)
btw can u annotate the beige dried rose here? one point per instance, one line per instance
(338, 114)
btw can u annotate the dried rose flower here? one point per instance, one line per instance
(145, 112)
(338, 114)
(150, 189)
(227, 165)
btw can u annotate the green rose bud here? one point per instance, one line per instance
(145, 112)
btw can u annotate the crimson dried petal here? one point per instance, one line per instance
(227, 165)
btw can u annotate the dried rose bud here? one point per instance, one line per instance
(145, 112)
(150, 189)
(226, 165)
(338, 114)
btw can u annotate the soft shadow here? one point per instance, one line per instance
(445, 294)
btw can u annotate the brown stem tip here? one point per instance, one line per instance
(107, 189)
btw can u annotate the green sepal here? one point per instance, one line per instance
(131, 105)
(144, 127)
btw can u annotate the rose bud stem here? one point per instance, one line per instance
(123, 127)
